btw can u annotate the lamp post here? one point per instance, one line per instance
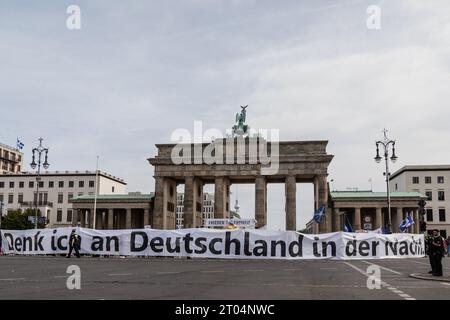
(1, 213)
(38, 150)
(385, 143)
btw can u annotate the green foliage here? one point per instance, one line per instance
(18, 220)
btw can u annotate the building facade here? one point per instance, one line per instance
(433, 181)
(19, 191)
(113, 211)
(207, 209)
(11, 159)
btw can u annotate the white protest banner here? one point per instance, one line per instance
(223, 244)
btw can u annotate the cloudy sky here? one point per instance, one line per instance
(136, 71)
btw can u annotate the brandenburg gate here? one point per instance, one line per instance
(237, 159)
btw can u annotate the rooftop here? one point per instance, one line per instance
(115, 197)
(429, 167)
(10, 148)
(374, 195)
(66, 173)
(371, 194)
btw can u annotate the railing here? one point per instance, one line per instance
(32, 204)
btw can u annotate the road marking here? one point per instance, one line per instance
(384, 268)
(445, 283)
(383, 283)
(212, 271)
(12, 279)
(61, 276)
(298, 269)
(252, 270)
(328, 268)
(119, 274)
(168, 272)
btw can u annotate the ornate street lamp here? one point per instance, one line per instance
(39, 150)
(385, 144)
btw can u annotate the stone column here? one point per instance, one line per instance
(221, 198)
(198, 203)
(170, 207)
(321, 191)
(378, 218)
(91, 218)
(337, 220)
(357, 219)
(147, 216)
(291, 214)
(158, 209)
(110, 219)
(188, 213)
(75, 217)
(416, 221)
(399, 219)
(128, 219)
(260, 202)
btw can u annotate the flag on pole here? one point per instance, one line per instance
(406, 223)
(20, 145)
(318, 215)
(347, 225)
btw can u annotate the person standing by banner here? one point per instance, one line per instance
(74, 243)
(436, 251)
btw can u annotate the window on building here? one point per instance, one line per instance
(442, 215)
(429, 215)
(396, 187)
(10, 198)
(69, 215)
(70, 196)
(51, 184)
(71, 184)
(112, 189)
(41, 184)
(415, 180)
(441, 195)
(59, 215)
(443, 233)
(31, 184)
(91, 183)
(81, 184)
(2, 184)
(20, 199)
(61, 184)
(11, 184)
(21, 184)
(60, 198)
(1, 197)
(429, 195)
(428, 180)
(440, 179)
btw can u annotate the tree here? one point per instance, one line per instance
(18, 220)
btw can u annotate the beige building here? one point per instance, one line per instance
(11, 159)
(207, 209)
(433, 181)
(18, 191)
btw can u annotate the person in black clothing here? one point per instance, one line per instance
(436, 252)
(428, 241)
(74, 244)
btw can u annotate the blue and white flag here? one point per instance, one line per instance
(318, 215)
(406, 223)
(20, 144)
(348, 227)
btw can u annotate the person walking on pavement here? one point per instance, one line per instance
(436, 252)
(74, 244)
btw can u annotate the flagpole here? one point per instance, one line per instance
(95, 195)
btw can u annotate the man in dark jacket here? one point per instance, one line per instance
(436, 252)
(74, 244)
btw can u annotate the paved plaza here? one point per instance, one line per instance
(44, 277)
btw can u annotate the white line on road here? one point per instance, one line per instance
(445, 283)
(384, 284)
(252, 270)
(168, 272)
(297, 269)
(212, 271)
(119, 274)
(384, 268)
(12, 279)
(328, 268)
